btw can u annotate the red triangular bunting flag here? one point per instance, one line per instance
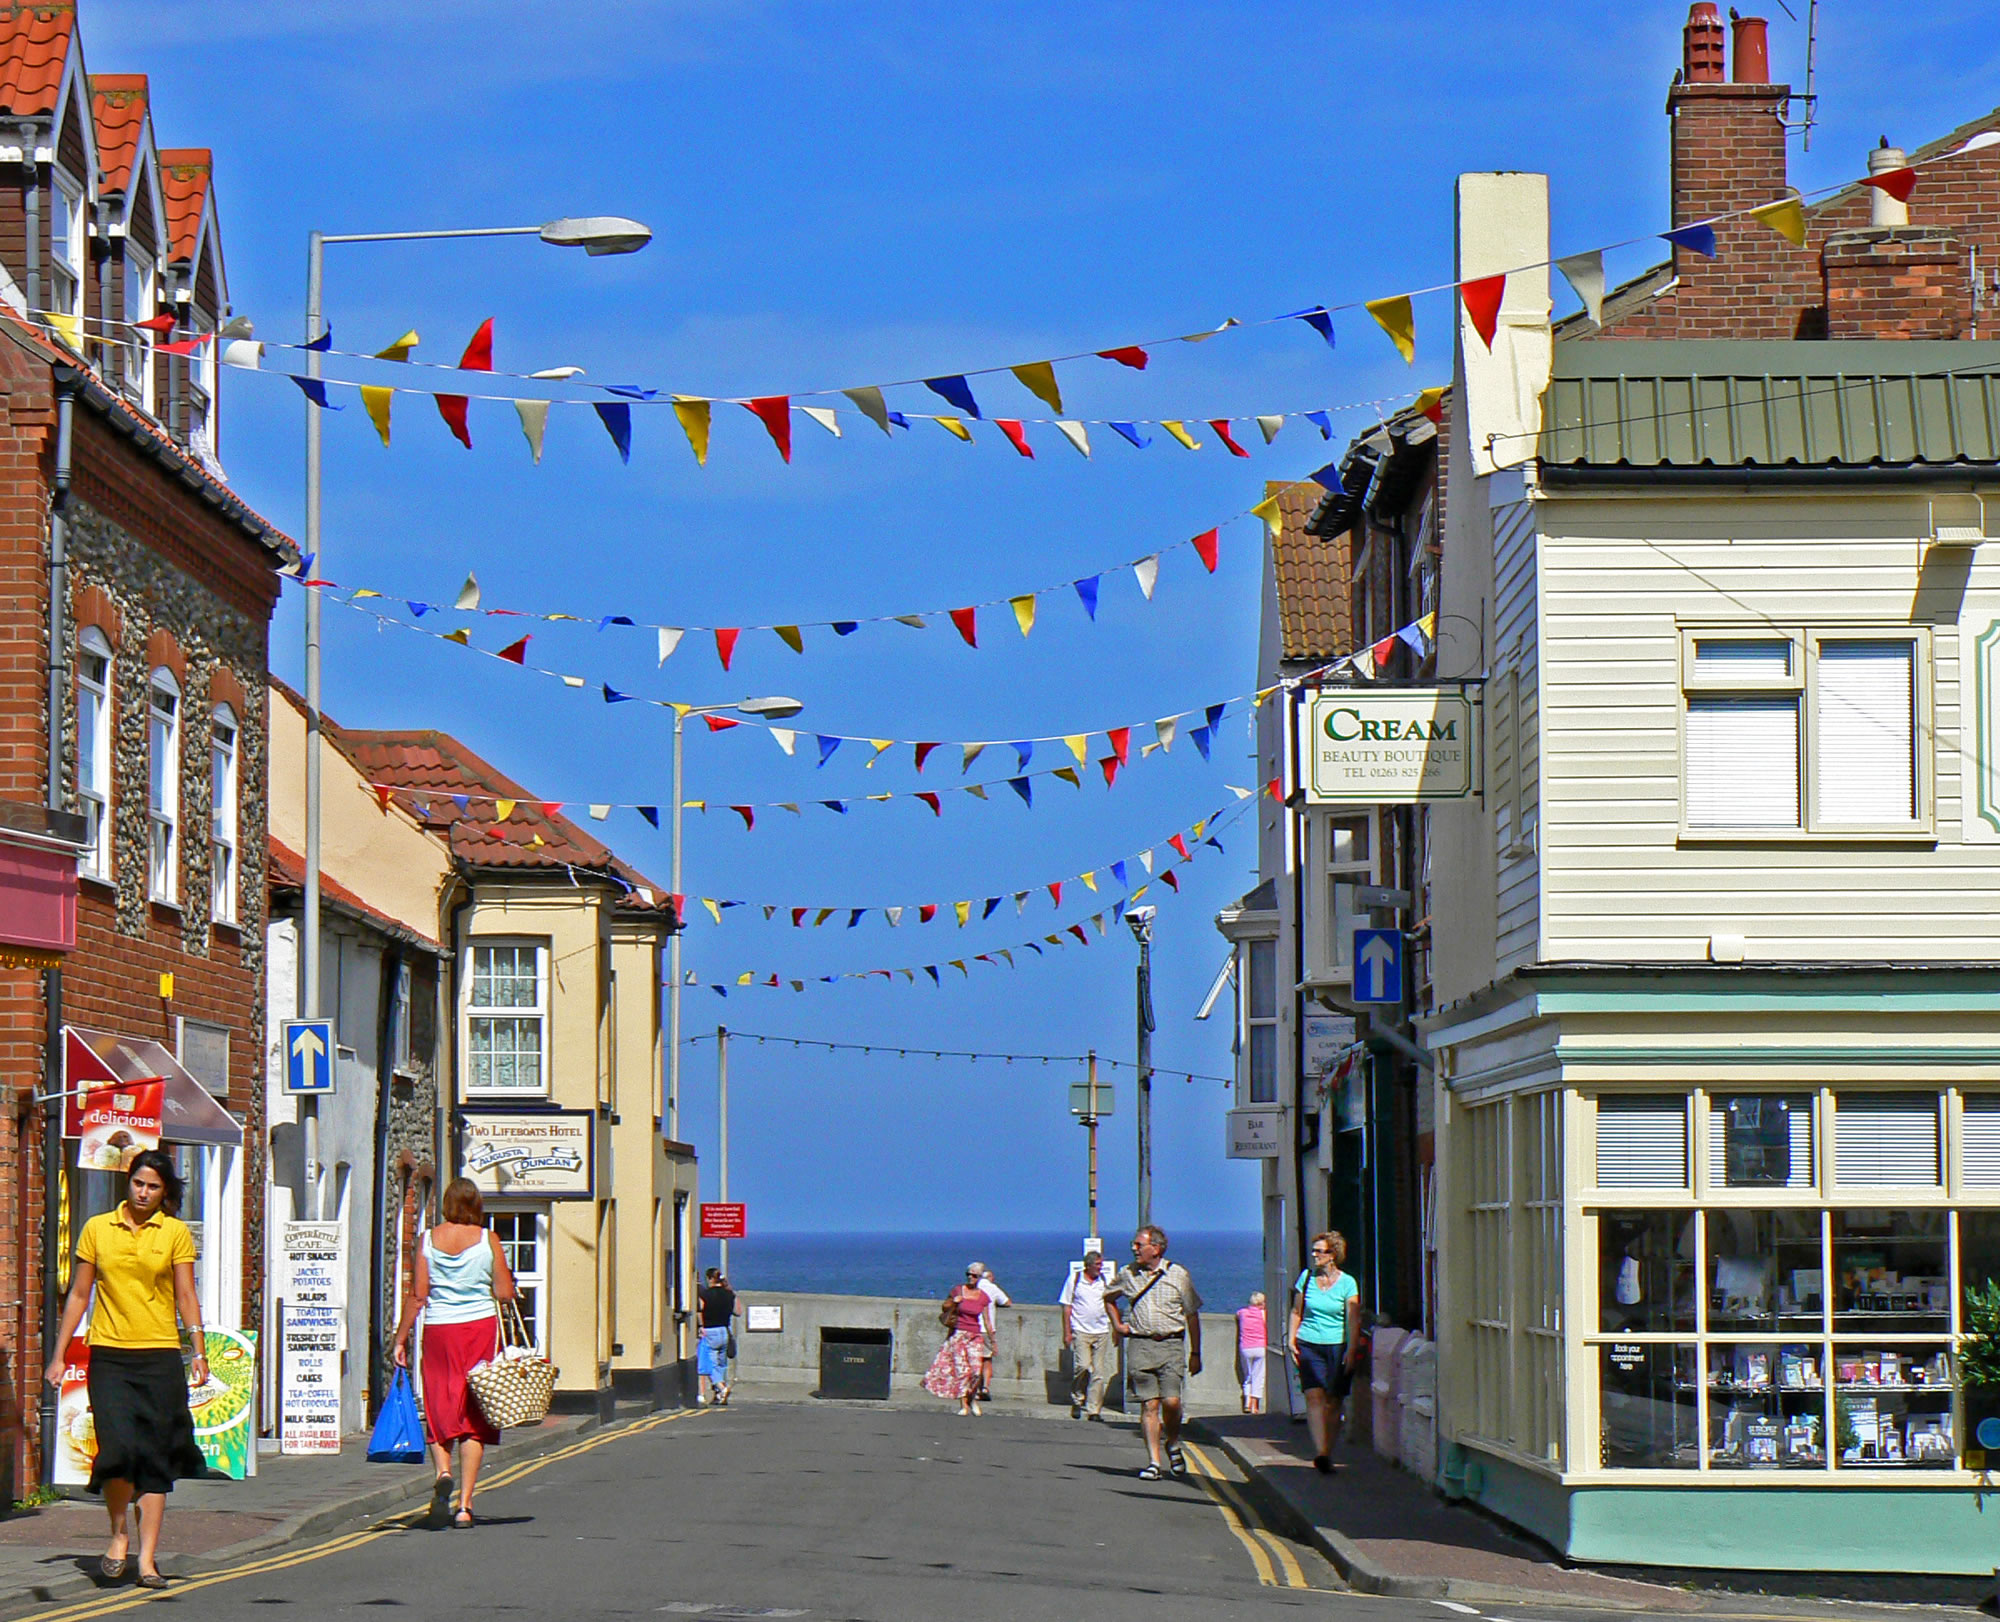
(1016, 434)
(1055, 892)
(451, 407)
(1109, 764)
(775, 411)
(967, 621)
(1180, 845)
(748, 815)
(719, 723)
(1898, 183)
(725, 644)
(1221, 427)
(155, 323)
(515, 653)
(926, 912)
(1381, 651)
(931, 800)
(382, 795)
(1276, 790)
(1077, 931)
(1121, 743)
(184, 346)
(1131, 355)
(550, 808)
(1482, 303)
(1171, 879)
(798, 915)
(478, 356)
(924, 754)
(1205, 543)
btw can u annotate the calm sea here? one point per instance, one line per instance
(1029, 1266)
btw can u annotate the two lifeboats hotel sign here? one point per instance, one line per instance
(1396, 746)
(539, 1154)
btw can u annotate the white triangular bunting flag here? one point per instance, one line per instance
(1146, 749)
(534, 423)
(894, 915)
(1146, 860)
(785, 738)
(1165, 730)
(1075, 434)
(1148, 571)
(1585, 273)
(824, 417)
(670, 639)
(1270, 427)
(468, 594)
(599, 812)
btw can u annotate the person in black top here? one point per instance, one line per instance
(718, 1314)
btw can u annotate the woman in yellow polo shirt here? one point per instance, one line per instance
(138, 1264)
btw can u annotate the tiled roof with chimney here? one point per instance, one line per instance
(119, 104)
(35, 42)
(185, 172)
(1312, 578)
(433, 766)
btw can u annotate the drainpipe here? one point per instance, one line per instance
(385, 1070)
(447, 1089)
(31, 209)
(52, 1054)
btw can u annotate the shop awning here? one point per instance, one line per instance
(188, 1113)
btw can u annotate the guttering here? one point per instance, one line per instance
(1962, 475)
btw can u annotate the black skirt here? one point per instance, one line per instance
(139, 1407)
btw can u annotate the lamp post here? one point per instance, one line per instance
(596, 235)
(1141, 920)
(769, 709)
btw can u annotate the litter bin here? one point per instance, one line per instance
(854, 1363)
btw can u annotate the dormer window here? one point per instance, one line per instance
(141, 302)
(66, 246)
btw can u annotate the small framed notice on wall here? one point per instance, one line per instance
(766, 1320)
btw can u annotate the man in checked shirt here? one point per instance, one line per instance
(1154, 1306)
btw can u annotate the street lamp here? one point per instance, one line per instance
(1141, 920)
(597, 235)
(768, 709)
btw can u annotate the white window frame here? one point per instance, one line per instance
(1254, 1022)
(1332, 915)
(93, 751)
(68, 250)
(224, 770)
(474, 1010)
(537, 1278)
(142, 301)
(1802, 682)
(163, 789)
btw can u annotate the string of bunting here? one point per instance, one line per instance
(891, 1050)
(1481, 298)
(766, 980)
(815, 916)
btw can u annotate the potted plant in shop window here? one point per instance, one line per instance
(1979, 1366)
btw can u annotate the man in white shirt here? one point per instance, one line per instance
(1086, 1330)
(999, 1297)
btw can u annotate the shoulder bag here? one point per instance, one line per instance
(517, 1386)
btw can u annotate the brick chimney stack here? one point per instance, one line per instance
(1728, 154)
(1895, 279)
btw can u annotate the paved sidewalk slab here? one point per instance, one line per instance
(51, 1553)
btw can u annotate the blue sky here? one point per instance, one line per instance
(843, 195)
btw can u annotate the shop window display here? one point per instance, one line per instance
(1646, 1278)
(1766, 1407)
(1646, 1403)
(1765, 1271)
(1893, 1407)
(1891, 1271)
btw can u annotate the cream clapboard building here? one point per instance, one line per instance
(1716, 982)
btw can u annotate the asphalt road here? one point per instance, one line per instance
(824, 1512)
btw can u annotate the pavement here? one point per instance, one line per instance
(1387, 1532)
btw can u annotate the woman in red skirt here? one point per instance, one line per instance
(460, 1279)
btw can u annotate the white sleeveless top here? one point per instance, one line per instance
(461, 1285)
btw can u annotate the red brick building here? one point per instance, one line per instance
(136, 593)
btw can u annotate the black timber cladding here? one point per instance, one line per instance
(1804, 404)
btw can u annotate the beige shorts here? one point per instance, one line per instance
(1155, 1369)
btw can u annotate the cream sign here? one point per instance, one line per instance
(542, 1154)
(1388, 747)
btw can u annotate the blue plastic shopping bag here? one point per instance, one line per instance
(398, 1437)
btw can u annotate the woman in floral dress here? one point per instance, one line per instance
(958, 1371)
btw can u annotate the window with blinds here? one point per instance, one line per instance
(1887, 1140)
(1761, 1141)
(1742, 761)
(1864, 759)
(1979, 1141)
(1642, 1142)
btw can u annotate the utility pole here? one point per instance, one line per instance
(1141, 920)
(1090, 1122)
(722, 1099)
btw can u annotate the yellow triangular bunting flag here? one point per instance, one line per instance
(1268, 510)
(714, 911)
(1429, 399)
(503, 809)
(694, 416)
(400, 349)
(1395, 317)
(375, 401)
(1024, 611)
(952, 425)
(1038, 377)
(1079, 746)
(1179, 431)
(1068, 774)
(1089, 879)
(964, 911)
(1787, 216)
(789, 635)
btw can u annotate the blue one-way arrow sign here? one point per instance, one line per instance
(1378, 965)
(309, 1056)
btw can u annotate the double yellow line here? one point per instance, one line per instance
(126, 1600)
(1276, 1565)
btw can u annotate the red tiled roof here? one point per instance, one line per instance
(118, 102)
(1312, 578)
(286, 870)
(34, 49)
(185, 172)
(435, 766)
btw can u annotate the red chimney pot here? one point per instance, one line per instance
(1750, 50)
(1702, 45)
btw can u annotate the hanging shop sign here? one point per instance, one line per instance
(1400, 747)
(537, 1154)
(1256, 1134)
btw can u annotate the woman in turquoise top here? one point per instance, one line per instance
(1326, 1341)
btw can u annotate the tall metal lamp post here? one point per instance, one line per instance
(1141, 920)
(597, 236)
(768, 709)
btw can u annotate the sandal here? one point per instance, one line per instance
(1176, 1460)
(464, 1520)
(113, 1569)
(440, 1510)
(1152, 1472)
